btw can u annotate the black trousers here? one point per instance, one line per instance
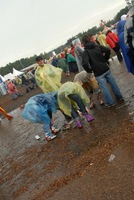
(118, 53)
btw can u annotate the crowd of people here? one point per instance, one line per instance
(119, 40)
(26, 80)
(89, 59)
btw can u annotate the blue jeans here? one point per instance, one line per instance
(16, 95)
(102, 80)
(77, 99)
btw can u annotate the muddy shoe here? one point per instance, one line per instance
(66, 127)
(89, 117)
(55, 130)
(110, 105)
(101, 102)
(121, 100)
(79, 124)
(50, 136)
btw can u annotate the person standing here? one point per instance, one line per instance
(129, 35)
(13, 90)
(126, 51)
(54, 61)
(26, 82)
(32, 79)
(113, 41)
(95, 58)
(63, 65)
(71, 61)
(48, 77)
(78, 50)
(3, 89)
(102, 39)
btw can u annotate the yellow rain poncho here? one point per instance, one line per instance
(48, 78)
(65, 103)
(102, 40)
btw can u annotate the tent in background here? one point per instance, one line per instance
(2, 78)
(17, 73)
(9, 76)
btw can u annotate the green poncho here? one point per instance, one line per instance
(48, 78)
(65, 103)
(62, 64)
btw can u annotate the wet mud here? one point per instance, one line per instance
(75, 165)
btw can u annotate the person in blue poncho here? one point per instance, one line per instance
(124, 48)
(39, 109)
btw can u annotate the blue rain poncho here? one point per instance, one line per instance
(37, 108)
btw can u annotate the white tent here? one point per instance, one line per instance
(16, 72)
(2, 78)
(9, 76)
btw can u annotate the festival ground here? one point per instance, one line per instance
(75, 166)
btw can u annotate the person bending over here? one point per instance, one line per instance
(73, 101)
(90, 85)
(39, 109)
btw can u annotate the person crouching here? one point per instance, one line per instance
(73, 101)
(39, 109)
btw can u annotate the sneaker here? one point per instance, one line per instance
(66, 127)
(121, 100)
(89, 117)
(49, 136)
(110, 105)
(54, 130)
(79, 124)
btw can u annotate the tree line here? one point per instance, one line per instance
(25, 62)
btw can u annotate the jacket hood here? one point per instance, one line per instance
(90, 45)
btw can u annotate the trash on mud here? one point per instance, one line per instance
(131, 114)
(111, 158)
(37, 137)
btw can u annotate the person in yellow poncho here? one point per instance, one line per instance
(102, 39)
(73, 101)
(48, 77)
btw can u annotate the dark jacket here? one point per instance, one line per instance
(95, 58)
(54, 62)
(71, 63)
(24, 80)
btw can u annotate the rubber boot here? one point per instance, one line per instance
(89, 117)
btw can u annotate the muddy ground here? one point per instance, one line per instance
(75, 165)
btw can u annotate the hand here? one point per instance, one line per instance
(87, 110)
(80, 113)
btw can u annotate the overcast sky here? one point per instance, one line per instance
(30, 27)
